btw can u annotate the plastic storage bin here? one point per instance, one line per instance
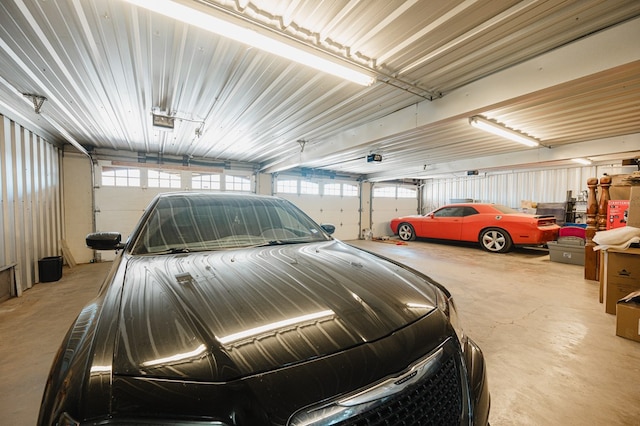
(567, 250)
(50, 268)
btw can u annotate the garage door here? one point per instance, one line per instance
(341, 212)
(326, 201)
(119, 207)
(389, 201)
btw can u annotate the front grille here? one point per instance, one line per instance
(436, 400)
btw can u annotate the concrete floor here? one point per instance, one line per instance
(552, 354)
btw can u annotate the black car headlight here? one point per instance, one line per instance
(448, 308)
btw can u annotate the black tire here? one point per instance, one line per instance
(406, 232)
(495, 240)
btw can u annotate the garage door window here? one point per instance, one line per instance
(332, 189)
(237, 183)
(205, 181)
(394, 192)
(340, 189)
(118, 176)
(350, 190)
(404, 192)
(160, 179)
(287, 186)
(310, 188)
(385, 192)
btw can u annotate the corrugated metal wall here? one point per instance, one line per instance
(511, 188)
(30, 201)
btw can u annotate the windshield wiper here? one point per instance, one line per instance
(278, 243)
(182, 250)
(173, 250)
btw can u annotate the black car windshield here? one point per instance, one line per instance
(200, 222)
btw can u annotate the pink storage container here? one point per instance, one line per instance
(572, 231)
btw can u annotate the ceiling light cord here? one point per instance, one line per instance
(408, 87)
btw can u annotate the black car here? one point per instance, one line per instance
(227, 309)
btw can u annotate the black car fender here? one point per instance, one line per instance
(478, 381)
(67, 382)
(63, 386)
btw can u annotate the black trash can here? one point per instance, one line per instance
(50, 268)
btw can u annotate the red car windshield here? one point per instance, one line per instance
(505, 209)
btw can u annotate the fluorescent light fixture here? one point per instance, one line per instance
(208, 22)
(163, 121)
(584, 161)
(500, 130)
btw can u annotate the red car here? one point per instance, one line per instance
(497, 228)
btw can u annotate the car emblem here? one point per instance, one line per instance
(406, 378)
(498, 217)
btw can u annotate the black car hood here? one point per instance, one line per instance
(223, 315)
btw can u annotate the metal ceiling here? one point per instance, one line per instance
(566, 72)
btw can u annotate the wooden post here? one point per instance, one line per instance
(590, 256)
(603, 209)
(603, 205)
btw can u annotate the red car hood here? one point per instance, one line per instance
(221, 315)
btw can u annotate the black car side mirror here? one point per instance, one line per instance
(328, 228)
(104, 241)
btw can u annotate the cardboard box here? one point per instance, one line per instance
(617, 212)
(619, 189)
(623, 265)
(628, 317)
(633, 213)
(615, 292)
(623, 276)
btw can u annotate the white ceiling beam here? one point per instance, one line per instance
(599, 52)
(607, 49)
(622, 146)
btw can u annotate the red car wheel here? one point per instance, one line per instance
(495, 240)
(406, 232)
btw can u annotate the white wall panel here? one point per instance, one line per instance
(30, 201)
(511, 188)
(78, 204)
